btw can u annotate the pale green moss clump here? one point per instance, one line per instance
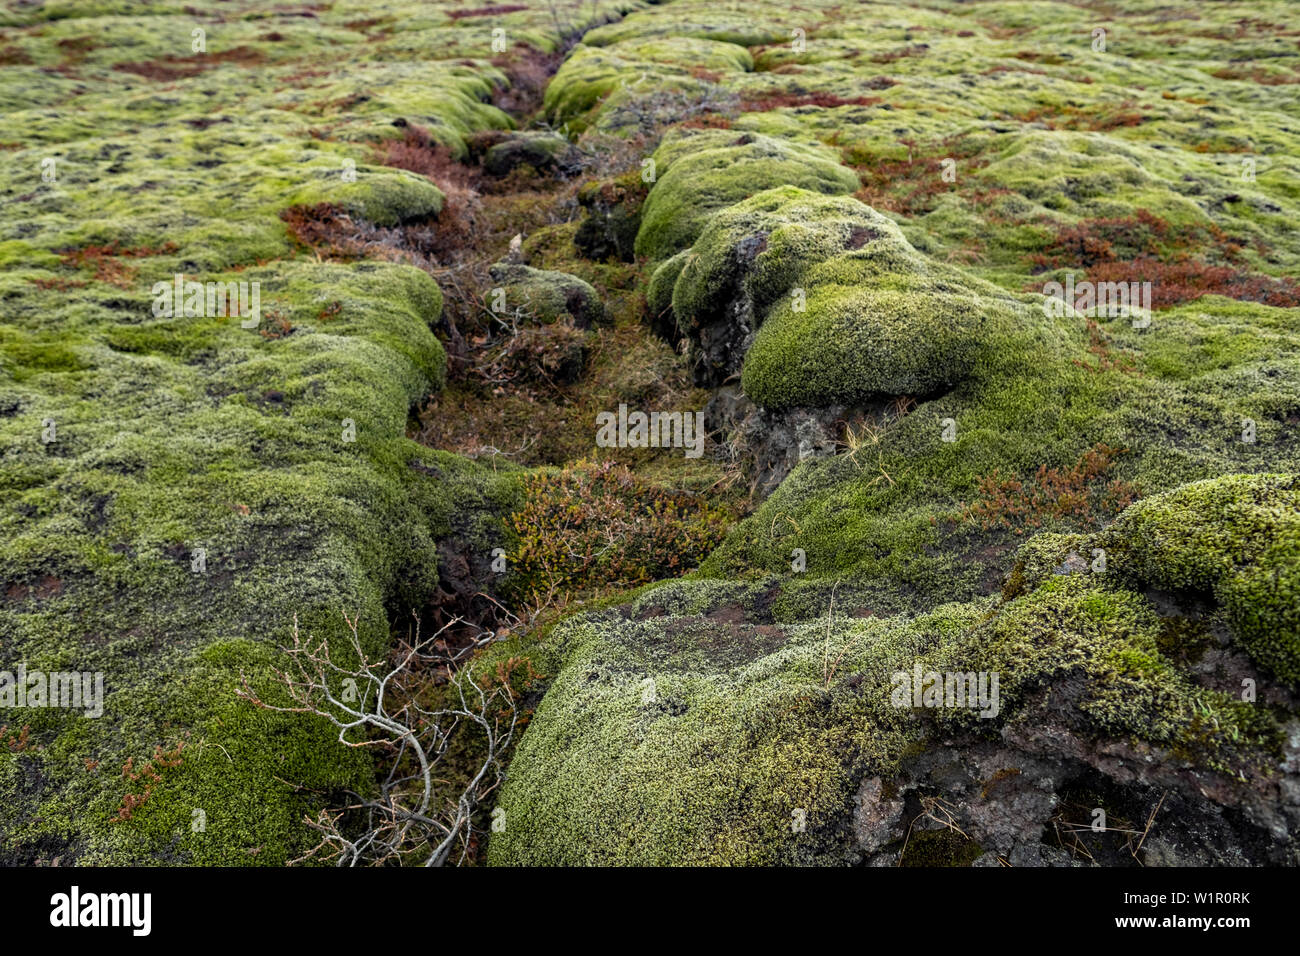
(688, 727)
(845, 308)
(1237, 537)
(702, 171)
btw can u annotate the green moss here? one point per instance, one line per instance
(601, 78)
(1237, 537)
(659, 293)
(940, 848)
(845, 308)
(699, 172)
(1045, 555)
(542, 151)
(613, 216)
(686, 727)
(279, 453)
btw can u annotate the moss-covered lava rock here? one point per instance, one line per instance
(544, 296)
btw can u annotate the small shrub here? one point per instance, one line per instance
(598, 525)
(1077, 493)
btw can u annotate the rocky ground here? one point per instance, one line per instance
(829, 229)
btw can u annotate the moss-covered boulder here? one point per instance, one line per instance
(613, 209)
(1236, 537)
(616, 86)
(544, 152)
(544, 296)
(822, 301)
(659, 296)
(699, 724)
(699, 172)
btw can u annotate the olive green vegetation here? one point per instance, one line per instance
(176, 490)
(541, 151)
(706, 722)
(687, 725)
(596, 81)
(883, 188)
(848, 309)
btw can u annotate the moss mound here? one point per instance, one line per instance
(544, 152)
(544, 296)
(844, 307)
(702, 171)
(1237, 537)
(690, 726)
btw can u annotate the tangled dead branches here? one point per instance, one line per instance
(411, 707)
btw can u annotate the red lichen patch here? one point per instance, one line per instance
(106, 260)
(910, 186)
(363, 25)
(1107, 240)
(1075, 118)
(776, 101)
(151, 773)
(417, 152)
(11, 55)
(16, 743)
(1047, 59)
(328, 231)
(491, 11)
(1188, 279)
(1220, 146)
(1079, 494)
(344, 103)
(47, 587)
(1245, 27)
(1116, 120)
(915, 49)
(75, 48)
(707, 121)
(708, 76)
(1145, 248)
(1109, 359)
(169, 68)
(59, 284)
(276, 326)
(1257, 75)
(1002, 68)
(298, 78)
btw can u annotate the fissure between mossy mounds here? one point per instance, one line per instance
(467, 247)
